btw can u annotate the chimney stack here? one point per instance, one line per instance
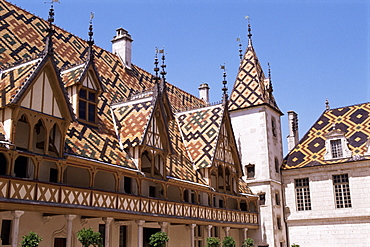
(204, 92)
(122, 46)
(293, 136)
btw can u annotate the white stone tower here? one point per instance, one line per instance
(255, 117)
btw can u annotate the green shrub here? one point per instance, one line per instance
(248, 243)
(228, 242)
(158, 239)
(31, 240)
(295, 245)
(213, 242)
(88, 237)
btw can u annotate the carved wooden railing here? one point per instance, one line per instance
(44, 192)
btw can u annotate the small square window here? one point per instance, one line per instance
(250, 170)
(262, 199)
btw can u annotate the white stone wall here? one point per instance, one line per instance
(325, 223)
(257, 145)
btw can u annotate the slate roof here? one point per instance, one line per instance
(353, 121)
(251, 87)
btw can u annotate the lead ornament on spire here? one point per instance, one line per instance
(249, 32)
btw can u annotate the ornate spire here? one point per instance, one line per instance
(270, 88)
(156, 69)
(240, 48)
(50, 31)
(90, 42)
(249, 31)
(224, 89)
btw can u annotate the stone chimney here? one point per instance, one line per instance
(204, 92)
(293, 136)
(122, 46)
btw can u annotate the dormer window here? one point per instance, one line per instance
(87, 105)
(336, 145)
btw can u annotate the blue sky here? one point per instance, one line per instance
(317, 49)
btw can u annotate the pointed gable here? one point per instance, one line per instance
(36, 85)
(251, 88)
(200, 130)
(351, 122)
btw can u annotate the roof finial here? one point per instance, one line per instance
(50, 30)
(156, 69)
(327, 104)
(240, 48)
(224, 89)
(163, 66)
(270, 80)
(90, 42)
(249, 31)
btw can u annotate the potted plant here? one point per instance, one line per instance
(228, 242)
(248, 243)
(31, 240)
(213, 242)
(88, 237)
(159, 239)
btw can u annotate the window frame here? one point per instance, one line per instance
(302, 194)
(88, 102)
(342, 192)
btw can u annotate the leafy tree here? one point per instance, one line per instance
(213, 242)
(31, 240)
(158, 239)
(248, 242)
(228, 242)
(88, 237)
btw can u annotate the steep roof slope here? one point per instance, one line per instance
(353, 121)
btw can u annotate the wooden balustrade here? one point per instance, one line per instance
(44, 192)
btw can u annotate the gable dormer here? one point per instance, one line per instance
(336, 145)
(35, 106)
(84, 87)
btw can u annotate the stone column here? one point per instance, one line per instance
(243, 234)
(209, 233)
(227, 231)
(140, 232)
(164, 226)
(107, 221)
(69, 218)
(192, 233)
(15, 228)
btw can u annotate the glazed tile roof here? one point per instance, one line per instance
(14, 79)
(22, 36)
(73, 75)
(353, 121)
(200, 130)
(251, 88)
(131, 120)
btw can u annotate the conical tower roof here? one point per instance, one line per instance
(251, 87)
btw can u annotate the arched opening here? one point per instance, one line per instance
(3, 164)
(24, 167)
(152, 189)
(173, 193)
(214, 178)
(22, 134)
(232, 203)
(49, 172)
(128, 185)
(146, 163)
(220, 179)
(227, 179)
(39, 137)
(55, 140)
(104, 181)
(158, 166)
(243, 205)
(76, 176)
(204, 199)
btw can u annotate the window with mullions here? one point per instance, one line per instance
(336, 148)
(87, 105)
(302, 191)
(342, 193)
